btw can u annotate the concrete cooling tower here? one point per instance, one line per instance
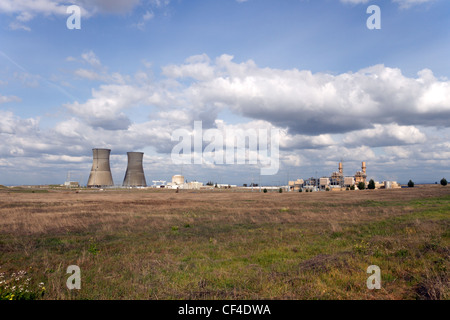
(135, 177)
(101, 172)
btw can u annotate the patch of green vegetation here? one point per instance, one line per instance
(22, 190)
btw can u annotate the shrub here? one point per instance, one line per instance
(265, 190)
(300, 190)
(280, 190)
(410, 184)
(444, 182)
(361, 185)
(371, 185)
(327, 189)
(352, 187)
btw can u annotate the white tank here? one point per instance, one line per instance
(178, 179)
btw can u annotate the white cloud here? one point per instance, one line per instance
(18, 26)
(409, 3)
(320, 103)
(404, 4)
(354, 1)
(105, 107)
(6, 99)
(386, 135)
(25, 10)
(91, 58)
(196, 67)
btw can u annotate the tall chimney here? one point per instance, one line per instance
(101, 172)
(363, 167)
(135, 177)
(340, 168)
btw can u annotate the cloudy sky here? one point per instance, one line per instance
(139, 69)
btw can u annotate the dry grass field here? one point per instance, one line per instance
(156, 244)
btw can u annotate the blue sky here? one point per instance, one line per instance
(137, 70)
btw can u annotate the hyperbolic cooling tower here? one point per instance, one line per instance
(135, 177)
(101, 172)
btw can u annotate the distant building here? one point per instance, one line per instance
(71, 184)
(361, 176)
(296, 185)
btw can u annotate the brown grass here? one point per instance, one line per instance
(237, 245)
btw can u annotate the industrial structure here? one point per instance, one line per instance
(338, 181)
(101, 172)
(177, 180)
(134, 176)
(361, 176)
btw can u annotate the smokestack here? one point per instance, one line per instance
(135, 177)
(101, 172)
(340, 168)
(363, 167)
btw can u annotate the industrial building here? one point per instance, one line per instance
(361, 176)
(337, 181)
(178, 180)
(296, 185)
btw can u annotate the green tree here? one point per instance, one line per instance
(352, 187)
(444, 182)
(371, 185)
(280, 190)
(361, 185)
(410, 184)
(265, 190)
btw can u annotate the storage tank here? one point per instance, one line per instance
(101, 172)
(134, 176)
(178, 180)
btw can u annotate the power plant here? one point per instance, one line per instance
(134, 176)
(101, 176)
(101, 172)
(338, 181)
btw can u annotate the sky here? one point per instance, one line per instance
(138, 70)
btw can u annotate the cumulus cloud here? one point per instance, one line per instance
(314, 104)
(196, 67)
(409, 3)
(91, 58)
(25, 10)
(386, 135)
(104, 108)
(404, 4)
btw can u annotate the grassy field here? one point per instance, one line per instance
(225, 245)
